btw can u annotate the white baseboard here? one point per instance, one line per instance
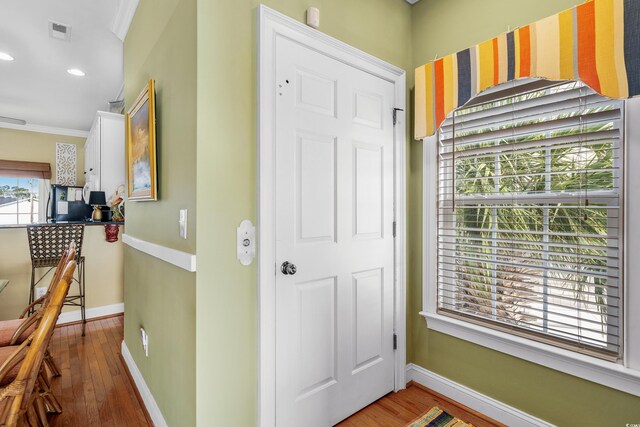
(149, 402)
(90, 313)
(477, 401)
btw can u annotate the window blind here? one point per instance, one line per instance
(19, 169)
(530, 216)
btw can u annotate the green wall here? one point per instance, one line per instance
(204, 65)
(161, 45)
(227, 308)
(161, 298)
(442, 27)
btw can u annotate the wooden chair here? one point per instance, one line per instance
(24, 400)
(14, 332)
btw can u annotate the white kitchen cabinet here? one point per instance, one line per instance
(104, 159)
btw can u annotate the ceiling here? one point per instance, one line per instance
(36, 86)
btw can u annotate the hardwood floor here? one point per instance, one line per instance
(95, 388)
(398, 409)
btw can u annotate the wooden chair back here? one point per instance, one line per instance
(20, 393)
(68, 255)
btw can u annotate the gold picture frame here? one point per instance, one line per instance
(142, 174)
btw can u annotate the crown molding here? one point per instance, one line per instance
(124, 16)
(120, 95)
(47, 129)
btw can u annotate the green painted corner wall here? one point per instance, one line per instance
(227, 308)
(161, 299)
(168, 57)
(161, 45)
(558, 398)
(441, 27)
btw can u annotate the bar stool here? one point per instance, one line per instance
(47, 243)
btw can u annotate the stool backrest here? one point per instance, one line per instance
(47, 243)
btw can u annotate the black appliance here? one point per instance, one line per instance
(67, 204)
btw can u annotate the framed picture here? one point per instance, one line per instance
(141, 146)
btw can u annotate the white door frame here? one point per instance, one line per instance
(271, 25)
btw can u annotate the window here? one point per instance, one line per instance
(24, 188)
(19, 200)
(529, 217)
(525, 238)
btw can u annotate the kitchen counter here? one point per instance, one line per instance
(104, 270)
(88, 223)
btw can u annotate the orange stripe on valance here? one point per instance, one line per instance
(597, 42)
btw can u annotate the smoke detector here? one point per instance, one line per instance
(59, 31)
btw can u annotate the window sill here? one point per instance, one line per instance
(590, 368)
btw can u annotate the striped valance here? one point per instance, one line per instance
(597, 42)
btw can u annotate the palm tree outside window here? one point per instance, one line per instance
(529, 215)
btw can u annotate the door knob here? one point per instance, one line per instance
(288, 268)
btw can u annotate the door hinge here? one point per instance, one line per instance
(395, 341)
(394, 229)
(395, 115)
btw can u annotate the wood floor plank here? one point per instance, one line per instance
(88, 384)
(76, 352)
(105, 410)
(94, 388)
(109, 370)
(399, 409)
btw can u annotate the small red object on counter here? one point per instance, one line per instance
(111, 231)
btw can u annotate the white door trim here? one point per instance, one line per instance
(272, 24)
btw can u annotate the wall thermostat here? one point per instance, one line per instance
(246, 242)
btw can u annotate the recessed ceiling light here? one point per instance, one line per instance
(75, 72)
(5, 57)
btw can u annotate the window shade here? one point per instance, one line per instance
(530, 217)
(14, 168)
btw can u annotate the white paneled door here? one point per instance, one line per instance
(334, 237)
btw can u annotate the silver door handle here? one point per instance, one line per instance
(288, 269)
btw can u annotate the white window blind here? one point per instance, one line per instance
(530, 216)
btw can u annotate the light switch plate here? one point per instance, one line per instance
(145, 341)
(313, 17)
(183, 223)
(246, 242)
